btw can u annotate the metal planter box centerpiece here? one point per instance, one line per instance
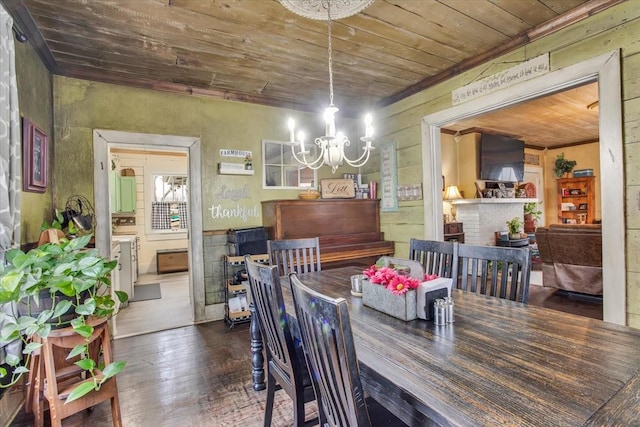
(403, 306)
(391, 287)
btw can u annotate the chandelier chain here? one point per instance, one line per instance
(330, 58)
(332, 145)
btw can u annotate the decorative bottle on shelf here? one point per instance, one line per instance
(373, 189)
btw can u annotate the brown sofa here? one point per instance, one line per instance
(571, 257)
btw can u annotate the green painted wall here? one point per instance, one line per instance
(615, 28)
(35, 98)
(81, 106)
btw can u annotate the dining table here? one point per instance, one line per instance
(500, 363)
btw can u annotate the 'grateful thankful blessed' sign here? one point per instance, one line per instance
(521, 72)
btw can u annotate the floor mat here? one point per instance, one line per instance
(146, 292)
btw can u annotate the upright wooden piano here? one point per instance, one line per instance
(349, 229)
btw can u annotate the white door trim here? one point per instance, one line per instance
(101, 140)
(605, 69)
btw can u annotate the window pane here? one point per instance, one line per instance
(169, 205)
(287, 156)
(170, 188)
(307, 177)
(291, 176)
(280, 168)
(273, 178)
(273, 154)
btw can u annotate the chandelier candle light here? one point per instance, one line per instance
(333, 143)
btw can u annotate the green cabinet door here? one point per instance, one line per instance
(114, 189)
(127, 194)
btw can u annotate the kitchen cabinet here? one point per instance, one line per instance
(128, 268)
(115, 273)
(128, 193)
(123, 192)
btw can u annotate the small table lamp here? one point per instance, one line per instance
(452, 193)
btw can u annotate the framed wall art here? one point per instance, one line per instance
(388, 177)
(34, 157)
(339, 188)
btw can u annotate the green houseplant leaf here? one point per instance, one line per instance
(56, 285)
(514, 225)
(563, 166)
(84, 388)
(532, 209)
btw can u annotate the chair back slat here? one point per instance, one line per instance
(295, 255)
(494, 271)
(286, 365)
(435, 257)
(331, 356)
(266, 294)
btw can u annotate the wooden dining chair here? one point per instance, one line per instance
(494, 271)
(286, 366)
(331, 356)
(435, 257)
(295, 255)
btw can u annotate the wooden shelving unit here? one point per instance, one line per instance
(237, 290)
(580, 192)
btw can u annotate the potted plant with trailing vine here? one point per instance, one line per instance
(57, 284)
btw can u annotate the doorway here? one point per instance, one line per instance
(534, 175)
(101, 141)
(604, 69)
(156, 219)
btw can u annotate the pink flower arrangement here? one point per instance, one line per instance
(393, 280)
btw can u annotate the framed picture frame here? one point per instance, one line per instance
(583, 206)
(340, 188)
(388, 177)
(35, 157)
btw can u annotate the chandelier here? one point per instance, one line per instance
(332, 145)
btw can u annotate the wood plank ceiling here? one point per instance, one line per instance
(258, 51)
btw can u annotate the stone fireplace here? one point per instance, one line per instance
(483, 217)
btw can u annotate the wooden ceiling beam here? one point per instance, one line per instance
(24, 20)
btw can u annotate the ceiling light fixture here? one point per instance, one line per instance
(20, 36)
(333, 143)
(457, 137)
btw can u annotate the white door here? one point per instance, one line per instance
(534, 174)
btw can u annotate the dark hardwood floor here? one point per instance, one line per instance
(569, 303)
(201, 376)
(192, 376)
